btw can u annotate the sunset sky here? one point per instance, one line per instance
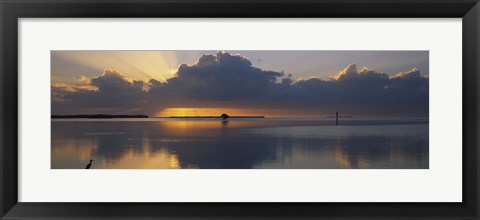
(270, 83)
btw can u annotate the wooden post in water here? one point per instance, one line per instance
(336, 113)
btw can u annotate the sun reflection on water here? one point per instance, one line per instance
(217, 144)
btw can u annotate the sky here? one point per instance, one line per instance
(269, 83)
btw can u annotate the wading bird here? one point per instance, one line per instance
(89, 165)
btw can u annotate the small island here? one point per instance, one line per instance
(100, 116)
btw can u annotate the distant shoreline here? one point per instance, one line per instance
(100, 116)
(211, 117)
(103, 116)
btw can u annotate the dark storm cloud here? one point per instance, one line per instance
(226, 78)
(367, 91)
(111, 90)
(220, 77)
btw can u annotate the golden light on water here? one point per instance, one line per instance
(161, 159)
(74, 151)
(147, 158)
(167, 112)
(217, 111)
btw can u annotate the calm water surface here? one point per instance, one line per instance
(239, 144)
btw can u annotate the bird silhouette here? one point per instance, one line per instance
(89, 165)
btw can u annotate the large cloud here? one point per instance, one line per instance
(364, 91)
(110, 92)
(220, 77)
(231, 80)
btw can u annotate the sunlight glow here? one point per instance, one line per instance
(167, 112)
(138, 65)
(161, 159)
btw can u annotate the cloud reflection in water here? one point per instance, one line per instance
(242, 144)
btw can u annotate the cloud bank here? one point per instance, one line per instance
(226, 80)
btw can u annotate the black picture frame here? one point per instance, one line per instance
(12, 10)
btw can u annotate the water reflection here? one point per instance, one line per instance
(243, 144)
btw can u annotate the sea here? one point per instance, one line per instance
(240, 143)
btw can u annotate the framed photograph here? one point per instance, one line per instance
(225, 109)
